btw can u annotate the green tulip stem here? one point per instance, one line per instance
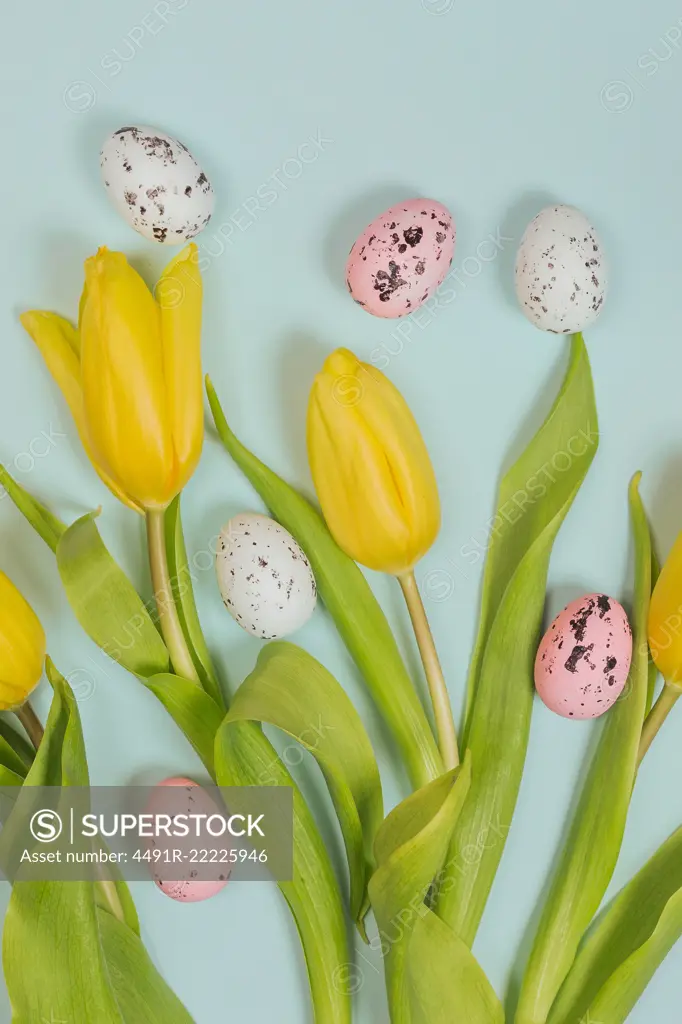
(445, 723)
(169, 621)
(666, 702)
(31, 723)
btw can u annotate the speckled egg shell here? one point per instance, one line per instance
(583, 661)
(401, 257)
(188, 890)
(265, 579)
(156, 184)
(561, 273)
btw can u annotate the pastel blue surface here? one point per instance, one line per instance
(494, 109)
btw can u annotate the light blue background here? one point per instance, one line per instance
(494, 109)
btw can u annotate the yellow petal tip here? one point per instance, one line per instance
(190, 254)
(28, 318)
(341, 361)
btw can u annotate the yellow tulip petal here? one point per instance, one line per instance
(12, 696)
(665, 618)
(56, 340)
(58, 343)
(179, 295)
(122, 368)
(81, 307)
(353, 482)
(117, 491)
(370, 465)
(22, 646)
(389, 419)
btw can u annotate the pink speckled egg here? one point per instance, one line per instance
(195, 800)
(401, 257)
(584, 658)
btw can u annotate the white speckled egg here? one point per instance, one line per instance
(561, 273)
(584, 658)
(188, 797)
(265, 579)
(401, 257)
(156, 184)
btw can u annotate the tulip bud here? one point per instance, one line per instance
(665, 618)
(378, 493)
(131, 374)
(370, 466)
(22, 647)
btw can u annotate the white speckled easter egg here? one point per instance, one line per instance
(193, 800)
(401, 257)
(583, 660)
(561, 273)
(265, 579)
(156, 184)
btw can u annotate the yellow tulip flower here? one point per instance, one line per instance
(665, 618)
(370, 466)
(131, 374)
(378, 493)
(665, 642)
(22, 647)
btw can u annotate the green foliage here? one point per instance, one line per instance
(105, 602)
(589, 857)
(64, 955)
(351, 603)
(431, 975)
(38, 515)
(627, 944)
(291, 690)
(192, 710)
(534, 498)
(183, 594)
(244, 757)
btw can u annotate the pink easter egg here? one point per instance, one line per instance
(401, 257)
(197, 800)
(190, 892)
(584, 658)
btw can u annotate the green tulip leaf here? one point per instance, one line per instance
(53, 958)
(10, 778)
(105, 602)
(41, 519)
(534, 498)
(431, 975)
(292, 691)
(627, 944)
(410, 849)
(60, 760)
(103, 599)
(62, 953)
(21, 746)
(113, 896)
(589, 857)
(15, 753)
(351, 603)
(193, 711)
(183, 593)
(113, 614)
(244, 757)
(141, 993)
(447, 985)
